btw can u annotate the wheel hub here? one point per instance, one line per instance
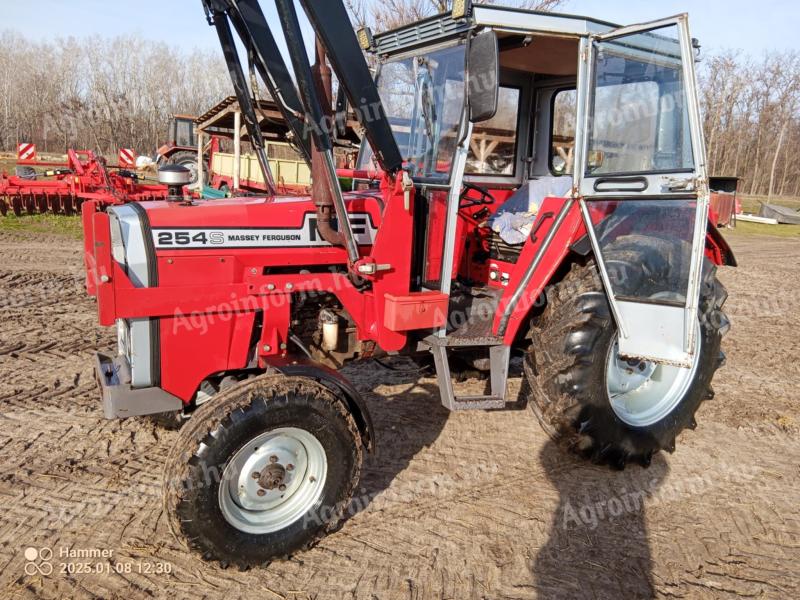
(273, 480)
(642, 392)
(272, 476)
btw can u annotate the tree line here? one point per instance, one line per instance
(101, 93)
(105, 93)
(751, 119)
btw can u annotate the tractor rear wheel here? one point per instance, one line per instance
(264, 470)
(593, 401)
(188, 159)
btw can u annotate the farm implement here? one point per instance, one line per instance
(62, 187)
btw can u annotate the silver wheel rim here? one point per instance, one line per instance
(273, 480)
(641, 392)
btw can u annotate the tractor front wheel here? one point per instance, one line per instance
(606, 407)
(264, 470)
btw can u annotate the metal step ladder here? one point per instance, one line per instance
(474, 332)
(499, 357)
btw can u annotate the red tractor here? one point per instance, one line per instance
(469, 240)
(181, 146)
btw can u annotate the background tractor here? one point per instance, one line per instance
(466, 240)
(181, 146)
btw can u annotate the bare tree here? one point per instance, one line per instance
(101, 93)
(751, 110)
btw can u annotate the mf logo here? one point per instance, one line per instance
(361, 226)
(37, 560)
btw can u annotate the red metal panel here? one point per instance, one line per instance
(105, 270)
(192, 348)
(240, 340)
(570, 231)
(88, 211)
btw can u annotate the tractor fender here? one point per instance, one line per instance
(570, 237)
(304, 367)
(717, 248)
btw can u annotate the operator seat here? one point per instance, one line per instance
(514, 218)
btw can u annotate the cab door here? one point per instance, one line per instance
(640, 177)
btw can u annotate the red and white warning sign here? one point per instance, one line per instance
(127, 157)
(26, 152)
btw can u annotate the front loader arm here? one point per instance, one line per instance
(332, 26)
(251, 26)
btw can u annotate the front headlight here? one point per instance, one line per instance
(137, 339)
(124, 339)
(117, 241)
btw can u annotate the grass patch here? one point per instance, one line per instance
(46, 223)
(745, 228)
(752, 204)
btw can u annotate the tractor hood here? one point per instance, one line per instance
(282, 222)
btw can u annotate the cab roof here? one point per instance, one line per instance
(513, 20)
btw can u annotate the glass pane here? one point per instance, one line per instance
(183, 136)
(562, 137)
(423, 97)
(647, 247)
(639, 117)
(434, 239)
(493, 146)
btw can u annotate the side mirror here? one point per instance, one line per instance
(483, 67)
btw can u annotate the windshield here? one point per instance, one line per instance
(423, 97)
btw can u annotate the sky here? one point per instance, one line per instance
(752, 26)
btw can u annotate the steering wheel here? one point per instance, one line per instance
(466, 202)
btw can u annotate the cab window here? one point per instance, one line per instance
(562, 134)
(493, 146)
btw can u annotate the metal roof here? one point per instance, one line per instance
(443, 26)
(219, 120)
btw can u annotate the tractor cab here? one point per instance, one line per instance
(181, 131)
(577, 121)
(181, 146)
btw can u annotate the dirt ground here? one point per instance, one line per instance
(468, 505)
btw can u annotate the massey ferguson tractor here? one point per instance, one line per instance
(530, 185)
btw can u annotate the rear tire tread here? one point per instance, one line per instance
(563, 352)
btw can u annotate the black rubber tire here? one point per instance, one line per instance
(215, 433)
(565, 366)
(188, 159)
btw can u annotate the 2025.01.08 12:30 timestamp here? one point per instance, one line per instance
(144, 568)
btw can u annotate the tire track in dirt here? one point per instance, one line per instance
(453, 506)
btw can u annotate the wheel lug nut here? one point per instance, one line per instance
(281, 487)
(256, 475)
(290, 467)
(273, 459)
(261, 492)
